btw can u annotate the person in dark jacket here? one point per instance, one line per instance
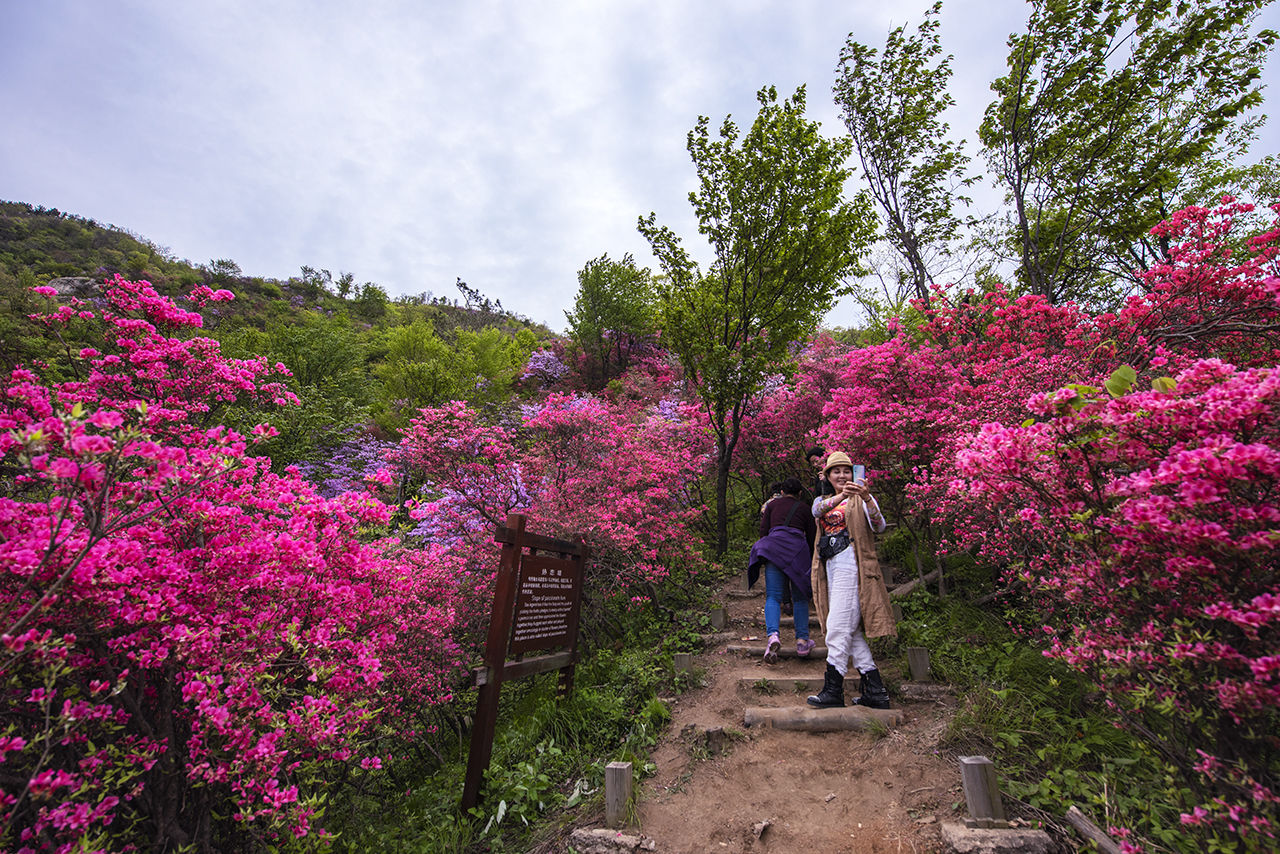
(817, 458)
(784, 550)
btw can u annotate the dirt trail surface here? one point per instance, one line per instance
(777, 791)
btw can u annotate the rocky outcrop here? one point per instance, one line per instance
(76, 286)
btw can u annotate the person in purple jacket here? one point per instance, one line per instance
(785, 550)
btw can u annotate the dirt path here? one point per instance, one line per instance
(820, 792)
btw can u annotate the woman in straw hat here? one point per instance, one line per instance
(848, 588)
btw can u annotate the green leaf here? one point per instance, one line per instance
(1121, 381)
(1164, 384)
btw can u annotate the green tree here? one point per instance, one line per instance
(419, 370)
(772, 206)
(327, 357)
(489, 361)
(372, 301)
(345, 284)
(222, 271)
(1109, 108)
(613, 315)
(315, 282)
(892, 105)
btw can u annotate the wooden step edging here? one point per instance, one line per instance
(808, 719)
(789, 622)
(818, 653)
(909, 691)
(781, 684)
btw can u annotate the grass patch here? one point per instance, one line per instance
(1050, 734)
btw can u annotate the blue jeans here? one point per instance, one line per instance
(776, 581)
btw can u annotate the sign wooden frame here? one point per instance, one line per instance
(536, 603)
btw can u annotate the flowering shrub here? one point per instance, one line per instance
(192, 645)
(902, 405)
(545, 367)
(615, 472)
(785, 420)
(1147, 526)
(353, 465)
(1144, 527)
(1211, 299)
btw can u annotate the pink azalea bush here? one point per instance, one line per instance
(783, 422)
(1142, 524)
(1215, 298)
(616, 472)
(191, 647)
(901, 406)
(1148, 528)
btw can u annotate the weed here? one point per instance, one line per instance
(764, 686)
(688, 680)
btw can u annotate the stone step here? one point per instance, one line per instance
(781, 684)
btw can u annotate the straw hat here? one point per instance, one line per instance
(837, 458)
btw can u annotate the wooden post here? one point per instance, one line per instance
(683, 661)
(918, 659)
(981, 792)
(897, 612)
(617, 793)
(719, 619)
(495, 657)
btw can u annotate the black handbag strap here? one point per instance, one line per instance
(794, 508)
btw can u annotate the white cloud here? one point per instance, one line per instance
(415, 142)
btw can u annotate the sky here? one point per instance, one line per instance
(415, 142)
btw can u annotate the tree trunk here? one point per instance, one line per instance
(942, 578)
(722, 499)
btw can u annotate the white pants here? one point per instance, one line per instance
(844, 617)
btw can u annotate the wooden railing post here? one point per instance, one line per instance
(617, 793)
(981, 792)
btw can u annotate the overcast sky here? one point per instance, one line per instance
(412, 142)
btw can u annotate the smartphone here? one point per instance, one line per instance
(859, 474)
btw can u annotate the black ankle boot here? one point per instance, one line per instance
(832, 695)
(874, 695)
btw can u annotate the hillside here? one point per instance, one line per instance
(357, 354)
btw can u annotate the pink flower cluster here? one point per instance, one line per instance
(615, 471)
(188, 633)
(1138, 508)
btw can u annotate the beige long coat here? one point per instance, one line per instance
(873, 595)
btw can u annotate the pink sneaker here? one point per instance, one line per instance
(771, 649)
(804, 646)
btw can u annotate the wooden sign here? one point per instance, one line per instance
(546, 603)
(536, 601)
